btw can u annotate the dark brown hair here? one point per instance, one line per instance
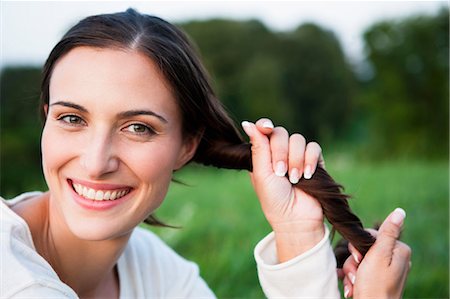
(221, 143)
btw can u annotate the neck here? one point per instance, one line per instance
(88, 267)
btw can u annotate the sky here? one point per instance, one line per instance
(30, 29)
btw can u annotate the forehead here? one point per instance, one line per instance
(110, 75)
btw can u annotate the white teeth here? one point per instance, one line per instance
(78, 188)
(98, 194)
(85, 191)
(113, 195)
(91, 194)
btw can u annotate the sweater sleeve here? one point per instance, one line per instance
(309, 275)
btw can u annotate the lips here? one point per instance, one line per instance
(99, 194)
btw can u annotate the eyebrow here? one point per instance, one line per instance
(124, 114)
(131, 113)
(71, 105)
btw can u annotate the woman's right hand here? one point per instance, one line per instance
(383, 271)
(295, 217)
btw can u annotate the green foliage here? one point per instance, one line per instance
(244, 66)
(300, 78)
(317, 82)
(20, 130)
(408, 95)
(222, 222)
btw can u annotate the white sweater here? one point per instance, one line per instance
(148, 268)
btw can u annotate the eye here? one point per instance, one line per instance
(71, 120)
(140, 129)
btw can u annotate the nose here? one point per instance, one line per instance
(99, 156)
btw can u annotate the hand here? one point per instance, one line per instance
(383, 271)
(296, 218)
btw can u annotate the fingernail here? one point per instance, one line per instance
(346, 291)
(352, 277)
(268, 124)
(294, 176)
(307, 172)
(355, 257)
(398, 216)
(280, 168)
(246, 126)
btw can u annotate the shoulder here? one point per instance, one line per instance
(24, 272)
(14, 229)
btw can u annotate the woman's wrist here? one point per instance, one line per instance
(294, 239)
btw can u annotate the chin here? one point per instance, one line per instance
(99, 229)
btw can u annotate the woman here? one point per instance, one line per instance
(126, 103)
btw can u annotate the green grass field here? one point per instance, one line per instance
(221, 220)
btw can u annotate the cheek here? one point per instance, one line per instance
(55, 151)
(58, 151)
(152, 163)
(153, 167)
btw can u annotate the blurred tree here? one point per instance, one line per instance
(300, 79)
(20, 131)
(317, 81)
(408, 94)
(227, 47)
(262, 91)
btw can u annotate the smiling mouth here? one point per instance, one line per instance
(99, 195)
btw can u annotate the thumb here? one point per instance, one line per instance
(261, 155)
(389, 233)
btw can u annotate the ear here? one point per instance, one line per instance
(188, 150)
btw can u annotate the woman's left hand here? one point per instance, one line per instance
(383, 271)
(296, 218)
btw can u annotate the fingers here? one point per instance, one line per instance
(350, 267)
(401, 259)
(348, 287)
(357, 257)
(261, 157)
(279, 146)
(297, 145)
(389, 233)
(287, 153)
(313, 155)
(265, 126)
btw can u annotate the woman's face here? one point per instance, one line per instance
(111, 141)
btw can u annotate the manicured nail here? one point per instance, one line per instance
(247, 127)
(346, 291)
(355, 257)
(352, 277)
(268, 124)
(398, 216)
(280, 168)
(294, 176)
(307, 172)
